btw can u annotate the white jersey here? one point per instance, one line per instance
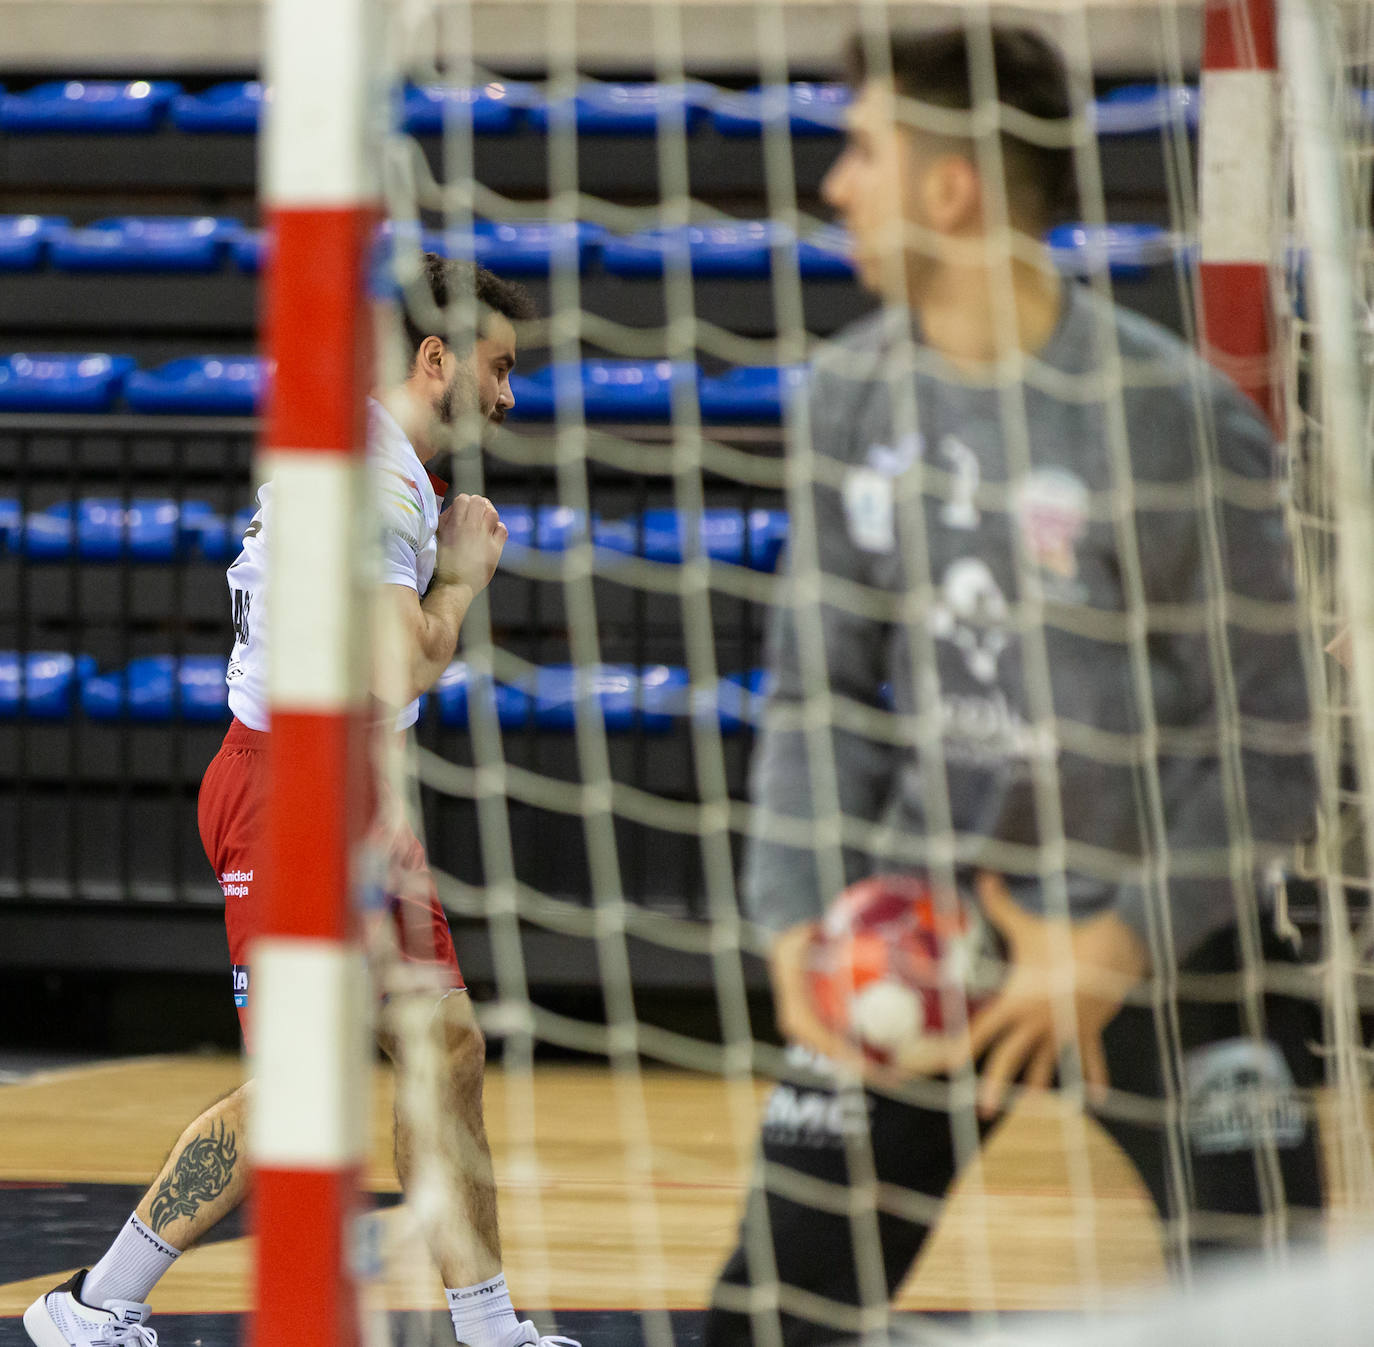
(409, 513)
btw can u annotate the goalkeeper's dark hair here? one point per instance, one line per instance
(451, 282)
(935, 68)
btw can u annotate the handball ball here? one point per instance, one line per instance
(886, 960)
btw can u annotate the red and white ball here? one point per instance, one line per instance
(896, 968)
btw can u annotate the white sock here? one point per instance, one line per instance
(483, 1315)
(131, 1266)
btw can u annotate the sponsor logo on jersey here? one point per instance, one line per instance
(1241, 1096)
(817, 1118)
(240, 976)
(980, 731)
(235, 883)
(1053, 510)
(971, 614)
(870, 508)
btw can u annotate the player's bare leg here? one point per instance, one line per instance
(202, 1180)
(444, 1162)
(206, 1175)
(462, 1233)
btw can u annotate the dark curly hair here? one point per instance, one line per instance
(449, 280)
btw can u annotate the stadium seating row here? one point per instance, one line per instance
(60, 382)
(739, 249)
(48, 685)
(164, 530)
(233, 385)
(503, 106)
(607, 390)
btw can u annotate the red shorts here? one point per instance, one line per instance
(233, 800)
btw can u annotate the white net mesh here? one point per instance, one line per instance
(580, 773)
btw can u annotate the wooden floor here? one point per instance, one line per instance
(615, 1192)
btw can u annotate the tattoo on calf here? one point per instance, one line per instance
(202, 1172)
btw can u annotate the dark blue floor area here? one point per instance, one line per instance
(46, 1226)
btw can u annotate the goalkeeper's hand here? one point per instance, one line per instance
(796, 1015)
(1018, 1033)
(470, 537)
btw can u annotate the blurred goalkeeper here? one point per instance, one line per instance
(433, 564)
(993, 435)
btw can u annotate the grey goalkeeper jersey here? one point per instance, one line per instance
(1082, 581)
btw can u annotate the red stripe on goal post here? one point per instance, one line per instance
(290, 1313)
(1238, 195)
(316, 297)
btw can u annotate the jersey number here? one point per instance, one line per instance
(243, 601)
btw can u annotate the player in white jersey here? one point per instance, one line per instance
(433, 565)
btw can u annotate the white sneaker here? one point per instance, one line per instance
(62, 1319)
(529, 1337)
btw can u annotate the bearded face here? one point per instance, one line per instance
(460, 396)
(479, 382)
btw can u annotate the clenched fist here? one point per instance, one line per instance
(470, 538)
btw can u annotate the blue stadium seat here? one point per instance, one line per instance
(751, 393)
(47, 687)
(233, 106)
(88, 105)
(549, 528)
(48, 535)
(739, 538)
(210, 535)
(766, 536)
(104, 529)
(739, 700)
(808, 109)
(1129, 251)
(492, 108)
(160, 688)
(1146, 109)
(649, 698)
(144, 243)
(826, 254)
(248, 248)
(228, 385)
(629, 109)
(513, 705)
(61, 383)
(23, 239)
(11, 523)
(609, 390)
